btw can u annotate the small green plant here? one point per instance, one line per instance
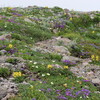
(19, 79)
(4, 72)
(16, 36)
(12, 61)
(55, 56)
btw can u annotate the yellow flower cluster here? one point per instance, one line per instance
(93, 57)
(10, 45)
(46, 7)
(9, 8)
(17, 74)
(49, 66)
(65, 67)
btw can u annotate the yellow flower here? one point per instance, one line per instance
(31, 86)
(71, 19)
(17, 74)
(46, 7)
(97, 58)
(9, 8)
(10, 45)
(64, 13)
(65, 67)
(92, 57)
(93, 31)
(49, 66)
(65, 85)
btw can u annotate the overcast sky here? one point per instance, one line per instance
(80, 5)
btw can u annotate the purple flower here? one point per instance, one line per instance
(42, 89)
(33, 79)
(58, 91)
(49, 90)
(62, 97)
(33, 99)
(86, 80)
(2, 39)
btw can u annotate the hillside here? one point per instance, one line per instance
(49, 54)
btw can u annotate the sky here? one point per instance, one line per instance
(79, 5)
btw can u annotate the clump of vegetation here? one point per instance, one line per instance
(5, 72)
(12, 61)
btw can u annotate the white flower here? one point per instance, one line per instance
(30, 61)
(26, 46)
(5, 26)
(52, 83)
(53, 61)
(77, 81)
(42, 63)
(40, 82)
(43, 75)
(38, 73)
(48, 74)
(32, 66)
(87, 96)
(81, 97)
(36, 67)
(35, 62)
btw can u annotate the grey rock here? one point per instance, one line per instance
(8, 96)
(96, 81)
(3, 52)
(71, 58)
(3, 92)
(54, 45)
(5, 37)
(6, 86)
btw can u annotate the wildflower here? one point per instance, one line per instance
(9, 8)
(92, 57)
(17, 74)
(52, 83)
(49, 90)
(32, 66)
(93, 31)
(46, 7)
(65, 85)
(33, 99)
(42, 63)
(31, 86)
(77, 81)
(97, 58)
(64, 13)
(30, 61)
(80, 82)
(35, 62)
(61, 97)
(86, 80)
(65, 67)
(43, 75)
(10, 45)
(36, 67)
(71, 19)
(49, 66)
(48, 74)
(53, 61)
